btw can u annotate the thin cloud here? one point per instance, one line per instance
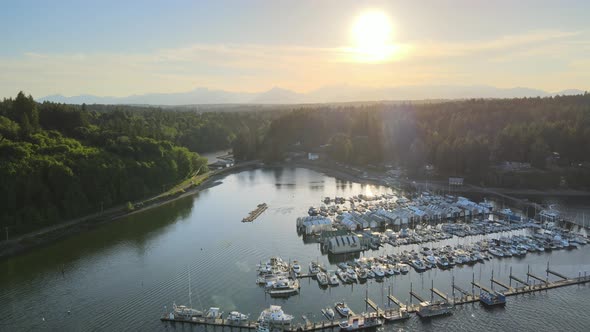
(446, 49)
(255, 67)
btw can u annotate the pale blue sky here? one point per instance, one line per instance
(126, 47)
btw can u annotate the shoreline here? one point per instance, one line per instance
(441, 185)
(39, 238)
(48, 235)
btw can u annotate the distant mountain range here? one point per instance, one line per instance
(330, 94)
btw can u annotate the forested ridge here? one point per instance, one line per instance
(62, 161)
(464, 137)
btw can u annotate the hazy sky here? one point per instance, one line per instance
(119, 48)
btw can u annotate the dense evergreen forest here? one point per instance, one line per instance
(62, 161)
(462, 138)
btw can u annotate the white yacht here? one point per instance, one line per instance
(342, 309)
(274, 316)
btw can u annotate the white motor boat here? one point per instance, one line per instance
(404, 268)
(284, 287)
(342, 309)
(296, 267)
(333, 279)
(344, 276)
(352, 274)
(274, 316)
(314, 268)
(389, 271)
(328, 313)
(378, 270)
(322, 278)
(237, 316)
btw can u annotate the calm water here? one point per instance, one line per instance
(120, 276)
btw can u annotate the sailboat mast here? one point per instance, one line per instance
(190, 299)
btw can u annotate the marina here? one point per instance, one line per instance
(198, 236)
(497, 234)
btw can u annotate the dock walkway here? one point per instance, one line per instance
(213, 322)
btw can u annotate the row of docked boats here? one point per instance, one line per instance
(446, 231)
(328, 278)
(447, 257)
(324, 277)
(280, 278)
(362, 269)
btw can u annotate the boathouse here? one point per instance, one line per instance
(344, 244)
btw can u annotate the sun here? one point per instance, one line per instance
(371, 34)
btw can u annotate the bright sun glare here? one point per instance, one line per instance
(372, 37)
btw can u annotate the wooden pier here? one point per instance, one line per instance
(462, 291)
(512, 277)
(466, 298)
(537, 277)
(389, 315)
(556, 274)
(440, 294)
(418, 297)
(559, 275)
(315, 326)
(256, 213)
(483, 288)
(372, 304)
(498, 282)
(396, 301)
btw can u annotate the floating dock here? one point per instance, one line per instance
(466, 298)
(213, 322)
(256, 213)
